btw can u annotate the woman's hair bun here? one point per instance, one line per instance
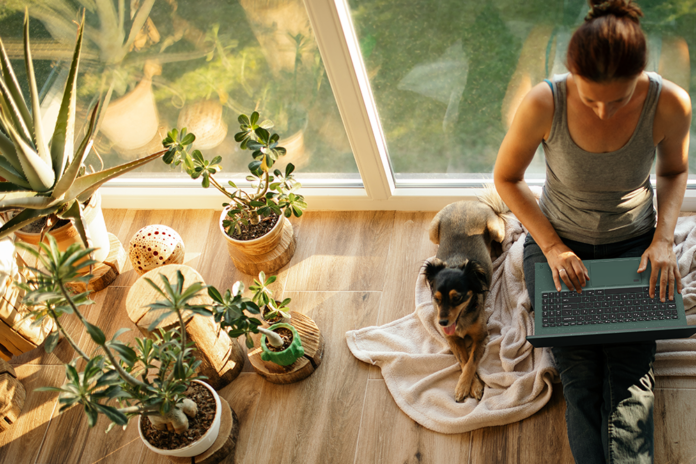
(618, 8)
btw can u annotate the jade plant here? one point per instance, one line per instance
(263, 297)
(45, 175)
(274, 193)
(228, 310)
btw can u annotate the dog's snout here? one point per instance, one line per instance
(444, 322)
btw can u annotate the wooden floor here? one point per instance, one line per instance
(351, 270)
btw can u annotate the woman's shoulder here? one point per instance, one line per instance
(673, 112)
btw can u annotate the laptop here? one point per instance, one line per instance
(614, 307)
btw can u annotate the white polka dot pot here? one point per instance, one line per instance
(154, 246)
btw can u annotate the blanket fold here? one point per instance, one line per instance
(421, 372)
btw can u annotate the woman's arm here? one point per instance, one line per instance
(531, 125)
(671, 127)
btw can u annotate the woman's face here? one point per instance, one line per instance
(605, 98)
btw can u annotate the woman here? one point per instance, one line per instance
(600, 126)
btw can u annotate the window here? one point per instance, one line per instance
(385, 104)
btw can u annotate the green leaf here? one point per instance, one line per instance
(112, 413)
(188, 139)
(249, 342)
(96, 333)
(214, 294)
(51, 341)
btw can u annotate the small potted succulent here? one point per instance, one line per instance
(155, 379)
(280, 343)
(253, 223)
(274, 311)
(45, 175)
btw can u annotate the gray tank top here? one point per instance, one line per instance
(599, 198)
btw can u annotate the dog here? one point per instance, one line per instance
(460, 276)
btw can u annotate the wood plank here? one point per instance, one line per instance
(529, 440)
(388, 435)
(21, 443)
(317, 417)
(409, 248)
(342, 251)
(675, 436)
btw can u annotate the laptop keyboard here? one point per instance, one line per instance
(604, 306)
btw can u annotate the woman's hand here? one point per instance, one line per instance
(663, 261)
(567, 267)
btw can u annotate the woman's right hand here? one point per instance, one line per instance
(567, 267)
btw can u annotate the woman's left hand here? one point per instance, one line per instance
(663, 263)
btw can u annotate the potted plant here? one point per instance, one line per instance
(153, 380)
(47, 178)
(274, 311)
(280, 343)
(254, 223)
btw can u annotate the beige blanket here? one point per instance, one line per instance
(421, 372)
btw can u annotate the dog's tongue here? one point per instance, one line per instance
(449, 330)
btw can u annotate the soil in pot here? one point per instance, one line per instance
(198, 425)
(286, 335)
(271, 320)
(36, 226)
(253, 231)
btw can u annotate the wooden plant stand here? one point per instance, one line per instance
(12, 396)
(221, 359)
(252, 263)
(226, 444)
(313, 344)
(17, 335)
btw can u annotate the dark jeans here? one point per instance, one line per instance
(608, 388)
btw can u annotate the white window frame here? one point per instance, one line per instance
(340, 52)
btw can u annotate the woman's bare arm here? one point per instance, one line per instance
(531, 125)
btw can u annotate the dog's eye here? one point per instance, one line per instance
(457, 300)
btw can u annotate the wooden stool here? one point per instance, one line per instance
(225, 445)
(313, 344)
(221, 359)
(12, 396)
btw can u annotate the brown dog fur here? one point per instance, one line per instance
(459, 278)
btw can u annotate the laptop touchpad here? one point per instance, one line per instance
(614, 273)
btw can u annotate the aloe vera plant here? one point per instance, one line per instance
(46, 176)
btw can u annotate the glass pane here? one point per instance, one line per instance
(197, 64)
(447, 76)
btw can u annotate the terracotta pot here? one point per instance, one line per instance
(204, 118)
(132, 121)
(67, 235)
(199, 446)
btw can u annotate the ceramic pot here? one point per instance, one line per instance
(197, 447)
(67, 235)
(288, 355)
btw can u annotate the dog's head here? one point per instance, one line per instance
(453, 289)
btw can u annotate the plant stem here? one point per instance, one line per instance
(224, 191)
(138, 410)
(273, 337)
(124, 375)
(68, 337)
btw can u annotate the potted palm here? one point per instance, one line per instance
(47, 177)
(154, 380)
(254, 223)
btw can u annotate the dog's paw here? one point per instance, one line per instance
(476, 388)
(462, 389)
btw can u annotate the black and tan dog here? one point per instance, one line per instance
(459, 278)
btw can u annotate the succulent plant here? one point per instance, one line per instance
(45, 176)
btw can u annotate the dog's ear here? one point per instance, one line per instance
(432, 269)
(476, 276)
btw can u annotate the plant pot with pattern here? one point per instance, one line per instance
(254, 223)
